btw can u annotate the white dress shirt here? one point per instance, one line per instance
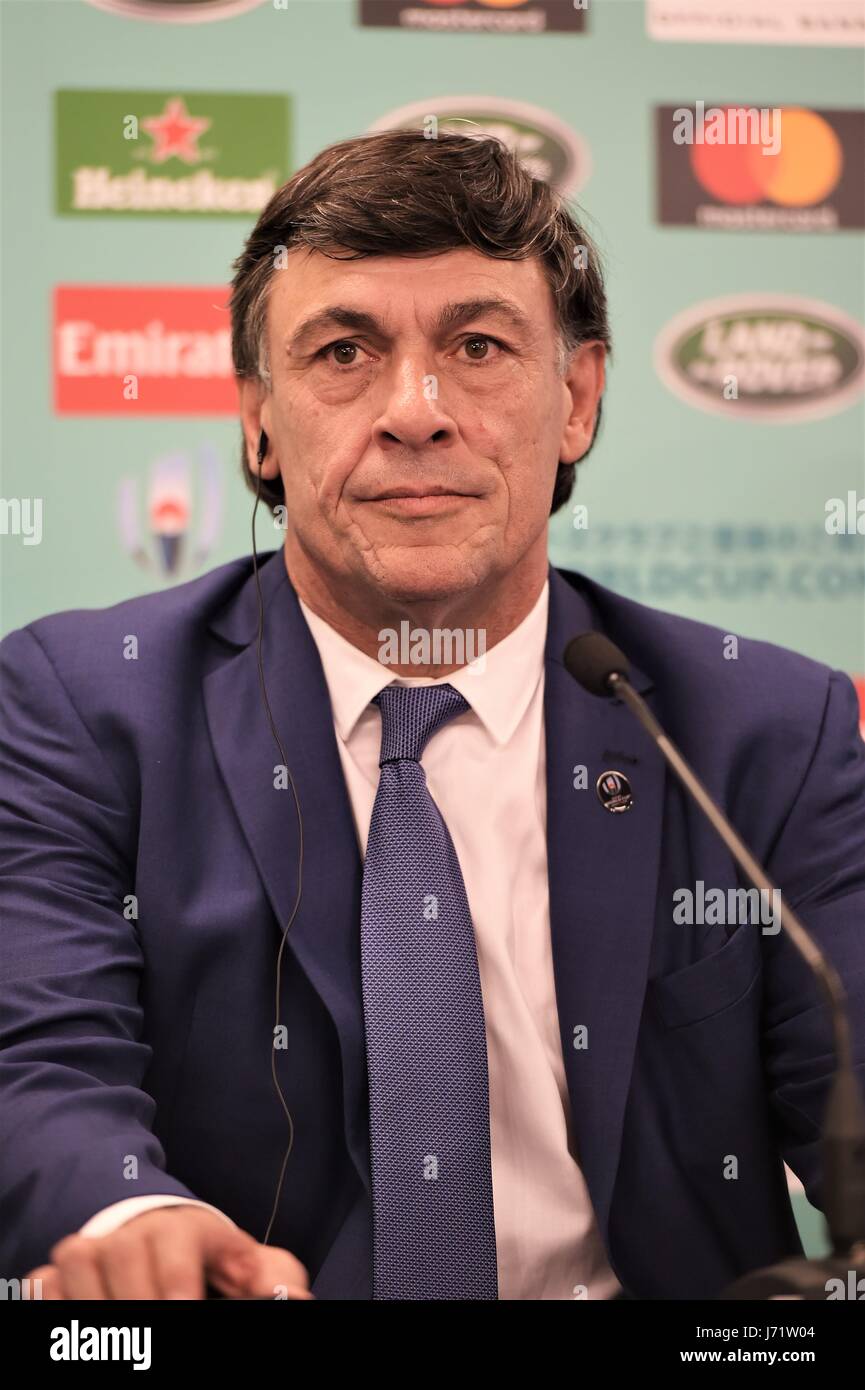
(486, 771)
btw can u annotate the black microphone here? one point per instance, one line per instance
(602, 669)
(592, 660)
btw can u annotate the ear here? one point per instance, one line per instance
(255, 417)
(583, 384)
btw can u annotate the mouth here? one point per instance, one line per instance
(417, 502)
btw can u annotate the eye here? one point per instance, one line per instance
(478, 346)
(344, 353)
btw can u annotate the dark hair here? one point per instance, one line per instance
(397, 192)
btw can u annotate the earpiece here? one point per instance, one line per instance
(263, 446)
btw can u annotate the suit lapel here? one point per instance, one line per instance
(603, 871)
(324, 936)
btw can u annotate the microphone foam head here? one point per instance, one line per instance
(591, 659)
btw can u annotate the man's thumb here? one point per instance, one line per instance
(230, 1252)
(264, 1272)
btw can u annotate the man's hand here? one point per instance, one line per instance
(172, 1252)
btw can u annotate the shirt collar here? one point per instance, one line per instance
(498, 691)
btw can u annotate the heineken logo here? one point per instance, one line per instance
(181, 153)
(767, 357)
(544, 144)
(175, 134)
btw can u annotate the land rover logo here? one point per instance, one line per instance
(767, 357)
(547, 147)
(176, 11)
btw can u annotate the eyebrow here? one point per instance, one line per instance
(454, 315)
(450, 316)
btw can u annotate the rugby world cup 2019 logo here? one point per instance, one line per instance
(768, 168)
(548, 147)
(182, 515)
(772, 357)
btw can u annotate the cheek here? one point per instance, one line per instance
(318, 452)
(495, 427)
(528, 461)
(516, 413)
(523, 442)
(333, 390)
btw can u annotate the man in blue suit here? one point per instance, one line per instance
(331, 964)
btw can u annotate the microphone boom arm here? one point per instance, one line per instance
(844, 1127)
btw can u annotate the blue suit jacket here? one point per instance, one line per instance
(138, 1049)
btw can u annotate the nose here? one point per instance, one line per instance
(412, 414)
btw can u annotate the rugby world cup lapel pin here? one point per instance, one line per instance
(614, 791)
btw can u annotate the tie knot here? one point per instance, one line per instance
(411, 714)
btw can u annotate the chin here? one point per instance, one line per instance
(413, 574)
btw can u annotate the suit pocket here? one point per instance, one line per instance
(701, 990)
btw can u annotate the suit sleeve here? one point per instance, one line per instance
(76, 1133)
(818, 860)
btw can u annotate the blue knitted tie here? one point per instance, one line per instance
(433, 1229)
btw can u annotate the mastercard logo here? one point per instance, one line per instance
(804, 171)
(492, 4)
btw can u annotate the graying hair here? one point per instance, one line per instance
(397, 193)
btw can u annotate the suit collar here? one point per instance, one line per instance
(573, 610)
(498, 686)
(237, 621)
